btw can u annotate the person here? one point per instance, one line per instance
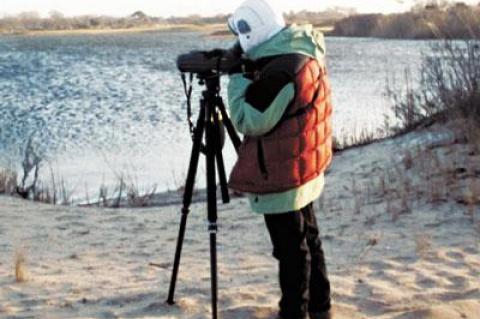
(281, 104)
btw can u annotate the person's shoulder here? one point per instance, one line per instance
(289, 64)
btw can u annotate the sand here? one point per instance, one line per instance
(401, 240)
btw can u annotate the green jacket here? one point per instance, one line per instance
(250, 121)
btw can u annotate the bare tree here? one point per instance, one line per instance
(31, 165)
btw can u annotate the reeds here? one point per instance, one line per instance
(19, 266)
(127, 192)
(449, 89)
(8, 181)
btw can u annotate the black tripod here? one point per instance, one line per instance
(211, 120)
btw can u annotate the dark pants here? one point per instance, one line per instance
(303, 275)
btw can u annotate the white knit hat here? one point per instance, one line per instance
(255, 22)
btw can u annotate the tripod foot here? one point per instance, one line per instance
(170, 302)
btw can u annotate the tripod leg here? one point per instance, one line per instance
(213, 270)
(187, 199)
(220, 164)
(229, 125)
(211, 143)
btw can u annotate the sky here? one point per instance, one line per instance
(186, 7)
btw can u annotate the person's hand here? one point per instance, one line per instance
(235, 54)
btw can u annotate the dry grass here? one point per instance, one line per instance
(55, 191)
(8, 181)
(357, 139)
(471, 129)
(381, 183)
(138, 197)
(423, 245)
(103, 196)
(135, 194)
(399, 193)
(408, 160)
(432, 175)
(472, 199)
(19, 266)
(446, 172)
(372, 242)
(441, 168)
(449, 89)
(126, 193)
(357, 197)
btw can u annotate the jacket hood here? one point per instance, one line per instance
(293, 39)
(254, 22)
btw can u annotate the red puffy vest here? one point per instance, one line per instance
(299, 148)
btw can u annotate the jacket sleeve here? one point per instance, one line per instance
(257, 106)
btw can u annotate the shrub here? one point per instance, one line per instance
(358, 25)
(451, 22)
(8, 181)
(449, 88)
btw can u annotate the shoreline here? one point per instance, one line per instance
(210, 30)
(152, 28)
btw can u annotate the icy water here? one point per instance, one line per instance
(99, 106)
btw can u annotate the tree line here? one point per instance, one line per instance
(429, 21)
(426, 20)
(32, 21)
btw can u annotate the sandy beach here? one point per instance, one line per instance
(400, 224)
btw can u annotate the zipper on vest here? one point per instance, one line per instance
(261, 159)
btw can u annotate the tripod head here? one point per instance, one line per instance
(211, 82)
(210, 96)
